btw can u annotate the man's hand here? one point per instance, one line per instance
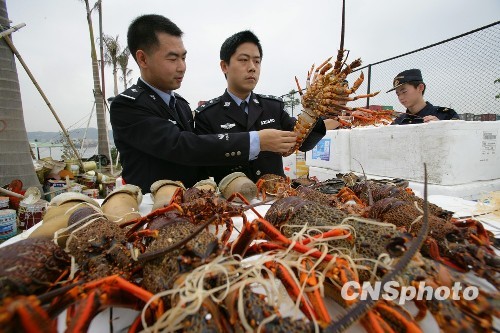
(276, 141)
(430, 118)
(331, 124)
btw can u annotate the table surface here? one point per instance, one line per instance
(121, 318)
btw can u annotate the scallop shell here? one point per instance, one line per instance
(238, 182)
(160, 183)
(133, 190)
(71, 196)
(206, 184)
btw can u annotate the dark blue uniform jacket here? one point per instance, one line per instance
(429, 110)
(156, 142)
(222, 114)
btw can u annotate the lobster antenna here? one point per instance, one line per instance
(359, 309)
(367, 184)
(342, 31)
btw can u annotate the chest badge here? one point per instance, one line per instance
(267, 121)
(227, 126)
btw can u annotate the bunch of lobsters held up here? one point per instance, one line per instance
(316, 244)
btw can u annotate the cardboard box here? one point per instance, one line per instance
(302, 169)
(53, 188)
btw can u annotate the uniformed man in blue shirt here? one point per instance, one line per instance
(410, 89)
(153, 126)
(239, 109)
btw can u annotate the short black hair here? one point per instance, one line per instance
(230, 45)
(415, 84)
(142, 32)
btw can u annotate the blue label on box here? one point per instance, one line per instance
(322, 150)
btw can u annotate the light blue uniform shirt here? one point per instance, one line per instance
(165, 96)
(254, 136)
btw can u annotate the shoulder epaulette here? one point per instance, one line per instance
(132, 92)
(180, 97)
(271, 97)
(444, 109)
(207, 104)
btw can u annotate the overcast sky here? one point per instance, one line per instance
(294, 34)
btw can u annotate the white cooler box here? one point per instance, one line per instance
(456, 152)
(332, 152)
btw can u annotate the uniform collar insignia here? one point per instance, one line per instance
(226, 104)
(255, 101)
(134, 90)
(227, 125)
(173, 121)
(153, 97)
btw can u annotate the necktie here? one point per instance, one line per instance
(171, 103)
(243, 105)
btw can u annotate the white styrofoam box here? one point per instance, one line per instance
(456, 151)
(290, 166)
(470, 191)
(332, 151)
(322, 173)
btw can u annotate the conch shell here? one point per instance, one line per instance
(122, 205)
(162, 192)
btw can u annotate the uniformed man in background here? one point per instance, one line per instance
(410, 89)
(153, 126)
(239, 109)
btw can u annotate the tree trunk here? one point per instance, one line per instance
(115, 77)
(102, 133)
(15, 155)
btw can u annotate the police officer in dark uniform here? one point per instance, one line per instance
(410, 89)
(239, 109)
(153, 126)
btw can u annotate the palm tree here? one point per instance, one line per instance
(123, 62)
(15, 156)
(112, 49)
(102, 133)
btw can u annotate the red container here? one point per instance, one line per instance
(375, 107)
(30, 214)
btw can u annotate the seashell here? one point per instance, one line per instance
(58, 213)
(162, 192)
(238, 182)
(71, 196)
(133, 190)
(206, 184)
(160, 183)
(122, 205)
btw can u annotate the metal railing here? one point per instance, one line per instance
(459, 73)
